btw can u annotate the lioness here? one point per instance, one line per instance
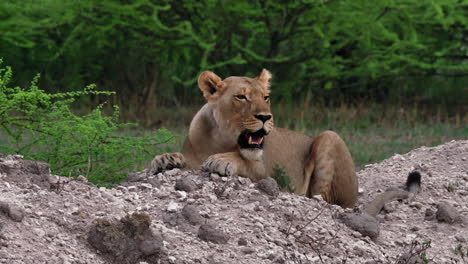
(234, 134)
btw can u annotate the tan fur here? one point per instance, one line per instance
(316, 166)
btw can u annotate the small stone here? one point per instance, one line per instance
(16, 213)
(172, 172)
(247, 250)
(460, 238)
(242, 241)
(136, 177)
(81, 178)
(181, 195)
(39, 232)
(192, 215)
(132, 188)
(145, 186)
(215, 177)
(172, 259)
(209, 233)
(416, 205)
(429, 214)
(447, 213)
(360, 190)
(151, 245)
(269, 186)
(185, 184)
(362, 223)
(172, 207)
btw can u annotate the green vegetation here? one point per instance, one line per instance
(282, 179)
(151, 52)
(41, 126)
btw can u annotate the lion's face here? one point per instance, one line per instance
(242, 106)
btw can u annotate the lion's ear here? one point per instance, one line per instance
(264, 78)
(211, 85)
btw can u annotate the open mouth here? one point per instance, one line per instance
(252, 140)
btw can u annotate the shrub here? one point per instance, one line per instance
(41, 126)
(282, 179)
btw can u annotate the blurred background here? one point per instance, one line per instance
(388, 75)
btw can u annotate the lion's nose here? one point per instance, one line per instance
(263, 118)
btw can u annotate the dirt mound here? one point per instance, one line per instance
(197, 217)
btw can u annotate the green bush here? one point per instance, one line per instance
(41, 126)
(152, 51)
(282, 179)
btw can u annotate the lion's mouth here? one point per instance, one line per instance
(252, 140)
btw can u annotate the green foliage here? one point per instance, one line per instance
(461, 251)
(151, 51)
(41, 126)
(283, 180)
(423, 255)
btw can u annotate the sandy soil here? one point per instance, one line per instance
(196, 217)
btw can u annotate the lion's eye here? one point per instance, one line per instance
(267, 98)
(241, 97)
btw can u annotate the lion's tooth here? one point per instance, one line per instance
(260, 141)
(250, 140)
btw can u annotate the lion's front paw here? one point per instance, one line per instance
(167, 161)
(222, 164)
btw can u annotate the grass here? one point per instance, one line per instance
(372, 132)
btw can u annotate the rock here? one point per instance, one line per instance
(460, 239)
(16, 213)
(208, 233)
(172, 207)
(132, 188)
(182, 195)
(192, 215)
(242, 241)
(269, 186)
(81, 178)
(429, 214)
(362, 223)
(247, 250)
(26, 171)
(152, 244)
(126, 240)
(416, 205)
(136, 177)
(186, 184)
(447, 213)
(145, 186)
(215, 177)
(172, 172)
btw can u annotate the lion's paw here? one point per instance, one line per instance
(221, 164)
(167, 161)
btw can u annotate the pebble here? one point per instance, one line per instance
(172, 172)
(81, 178)
(172, 207)
(132, 188)
(145, 186)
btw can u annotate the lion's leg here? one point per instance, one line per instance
(167, 161)
(333, 174)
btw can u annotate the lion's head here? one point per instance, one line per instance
(242, 107)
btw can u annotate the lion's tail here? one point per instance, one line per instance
(413, 184)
